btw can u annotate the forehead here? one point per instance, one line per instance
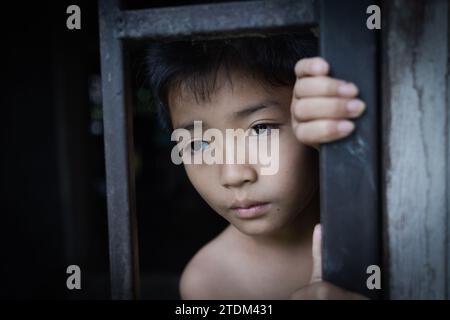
(230, 94)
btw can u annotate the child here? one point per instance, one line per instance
(258, 84)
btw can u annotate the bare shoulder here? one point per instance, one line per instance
(208, 272)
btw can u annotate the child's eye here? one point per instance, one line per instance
(197, 145)
(262, 129)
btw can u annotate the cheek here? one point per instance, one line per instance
(298, 171)
(200, 177)
(196, 176)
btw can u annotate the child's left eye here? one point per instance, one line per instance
(262, 129)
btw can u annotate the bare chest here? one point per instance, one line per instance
(266, 275)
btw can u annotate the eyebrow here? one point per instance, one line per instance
(189, 126)
(245, 112)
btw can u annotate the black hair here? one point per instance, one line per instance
(195, 63)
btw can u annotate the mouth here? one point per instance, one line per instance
(249, 209)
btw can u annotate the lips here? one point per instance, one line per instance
(245, 204)
(249, 209)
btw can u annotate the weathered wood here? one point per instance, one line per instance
(118, 136)
(349, 176)
(214, 20)
(415, 146)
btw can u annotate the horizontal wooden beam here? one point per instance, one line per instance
(215, 20)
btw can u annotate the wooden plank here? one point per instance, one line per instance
(448, 153)
(415, 75)
(118, 135)
(216, 19)
(349, 168)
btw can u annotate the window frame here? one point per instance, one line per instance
(349, 211)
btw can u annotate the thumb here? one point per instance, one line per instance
(317, 254)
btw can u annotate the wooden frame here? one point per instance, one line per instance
(349, 194)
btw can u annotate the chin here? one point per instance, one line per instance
(257, 227)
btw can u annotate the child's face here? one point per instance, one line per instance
(287, 192)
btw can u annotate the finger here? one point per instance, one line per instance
(307, 109)
(324, 86)
(317, 254)
(311, 67)
(322, 131)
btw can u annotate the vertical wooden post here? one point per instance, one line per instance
(416, 148)
(118, 132)
(349, 168)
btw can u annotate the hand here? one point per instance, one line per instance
(318, 289)
(322, 106)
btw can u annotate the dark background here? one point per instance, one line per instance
(53, 204)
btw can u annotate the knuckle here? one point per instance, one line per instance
(299, 87)
(297, 68)
(300, 133)
(315, 60)
(299, 109)
(341, 106)
(300, 66)
(329, 129)
(331, 87)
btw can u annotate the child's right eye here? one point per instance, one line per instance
(196, 145)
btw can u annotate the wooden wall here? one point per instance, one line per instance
(415, 94)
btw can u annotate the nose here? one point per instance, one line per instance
(236, 175)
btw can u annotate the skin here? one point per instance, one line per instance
(313, 112)
(322, 107)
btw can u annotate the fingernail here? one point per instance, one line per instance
(345, 126)
(355, 107)
(317, 67)
(347, 89)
